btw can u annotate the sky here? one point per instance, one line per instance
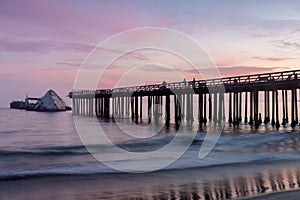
(44, 43)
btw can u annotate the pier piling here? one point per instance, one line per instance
(242, 91)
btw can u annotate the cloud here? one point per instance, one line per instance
(291, 45)
(262, 35)
(136, 55)
(155, 68)
(78, 20)
(272, 59)
(43, 46)
(60, 68)
(6, 75)
(239, 70)
(38, 18)
(247, 70)
(127, 55)
(70, 64)
(272, 28)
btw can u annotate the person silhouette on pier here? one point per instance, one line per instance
(163, 85)
(194, 82)
(259, 119)
(184, 81)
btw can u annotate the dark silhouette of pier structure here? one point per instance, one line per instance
(233, 99)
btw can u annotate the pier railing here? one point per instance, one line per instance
(264, 78)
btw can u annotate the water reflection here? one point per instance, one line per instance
(205, 183)
(230, 186)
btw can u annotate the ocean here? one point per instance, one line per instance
(43, 156)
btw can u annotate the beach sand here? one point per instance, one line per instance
(286, 195)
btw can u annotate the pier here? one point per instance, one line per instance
(268, 98)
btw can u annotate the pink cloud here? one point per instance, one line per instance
(262, 35)
(110, 78)
(247, 70)
(240, 70)
(25, 25)
(121, 16)
(222, 62)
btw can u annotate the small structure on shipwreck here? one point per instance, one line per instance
(50, 102)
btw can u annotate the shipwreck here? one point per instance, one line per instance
(50, 102)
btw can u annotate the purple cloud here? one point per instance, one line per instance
(291, 45)
(41, 18)
(70, 64)
(42, 46)
(273, 59)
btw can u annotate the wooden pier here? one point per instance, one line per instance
(252, 99)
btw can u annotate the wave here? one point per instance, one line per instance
(41, 153)
(90, 171)
(48, 151)
(231, 150)
(255, 142)
(11, 132)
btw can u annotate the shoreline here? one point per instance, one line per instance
(279, 195)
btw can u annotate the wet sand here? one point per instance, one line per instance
(286, 195)
(234, 182)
